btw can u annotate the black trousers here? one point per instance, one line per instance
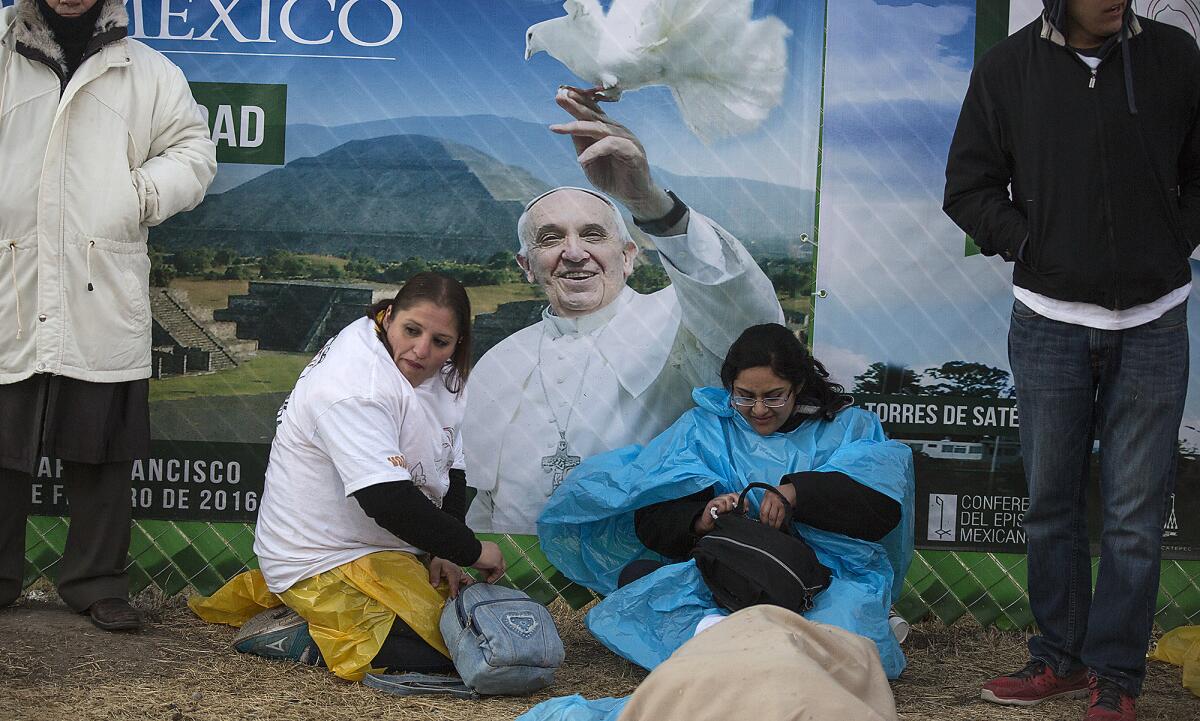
(405, 651)
(96, 430)
(97, 550)
(637, 569)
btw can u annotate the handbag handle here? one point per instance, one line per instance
(741, 504)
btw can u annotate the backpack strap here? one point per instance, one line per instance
(786, 527)
(413, 684)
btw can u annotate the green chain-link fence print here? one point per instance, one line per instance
(175, 556)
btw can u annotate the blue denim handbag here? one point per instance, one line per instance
(502, 641)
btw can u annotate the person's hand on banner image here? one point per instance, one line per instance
(448, 572)
(490, 562)
(722, 504)
(772, 511)
(611, 157)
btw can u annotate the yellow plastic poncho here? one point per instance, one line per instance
(1181, 646)
(349, 609)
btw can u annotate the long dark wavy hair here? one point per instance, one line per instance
(444, 292)
(773, 346)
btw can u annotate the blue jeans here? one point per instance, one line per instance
(1127, 389)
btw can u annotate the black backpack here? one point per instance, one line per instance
(746, 563)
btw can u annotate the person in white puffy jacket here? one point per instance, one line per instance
(100, 138)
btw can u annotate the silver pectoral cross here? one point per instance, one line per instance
(561, 462)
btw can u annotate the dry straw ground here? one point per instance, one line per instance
(54, 666)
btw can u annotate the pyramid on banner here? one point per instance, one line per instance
(390, 198)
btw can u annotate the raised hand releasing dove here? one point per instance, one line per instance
(725, 69)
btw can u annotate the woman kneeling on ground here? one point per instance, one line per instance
(361, 531)
(625, 522)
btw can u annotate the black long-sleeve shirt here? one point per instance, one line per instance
(828, 500)
(401, 508)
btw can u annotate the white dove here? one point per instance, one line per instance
(725, 69)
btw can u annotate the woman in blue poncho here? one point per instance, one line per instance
(624, 524)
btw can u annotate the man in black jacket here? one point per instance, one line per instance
(1092, 191)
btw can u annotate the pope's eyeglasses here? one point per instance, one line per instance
(770, 402)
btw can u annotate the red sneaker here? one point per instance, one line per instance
(1110, 702)
(1034, 684)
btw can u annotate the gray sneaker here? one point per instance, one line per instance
(278, 633)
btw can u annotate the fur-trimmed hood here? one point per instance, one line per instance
(35, 40)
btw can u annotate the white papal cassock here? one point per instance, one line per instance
(642, 355)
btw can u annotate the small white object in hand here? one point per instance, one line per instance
(725, 68)
(900, 627)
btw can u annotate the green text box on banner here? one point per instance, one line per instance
(247, 120)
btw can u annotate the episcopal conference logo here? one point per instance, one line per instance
(1171, 526)
(943, 515)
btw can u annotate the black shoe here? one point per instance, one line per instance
(1109, 701)
(114, 614)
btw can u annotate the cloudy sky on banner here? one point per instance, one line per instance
(900, 289)
(467, 58)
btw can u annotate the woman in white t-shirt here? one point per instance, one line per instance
(360, 531)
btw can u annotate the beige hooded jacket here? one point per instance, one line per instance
(85, 169)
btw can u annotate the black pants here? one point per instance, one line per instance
(95, 429)
(405, 651)
(637, 569)
(97, 550)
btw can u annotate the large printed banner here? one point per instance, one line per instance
(363, 140)
(909, 317)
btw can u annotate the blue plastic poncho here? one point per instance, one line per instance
(587, 532)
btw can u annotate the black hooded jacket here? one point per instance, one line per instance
(1105, 195)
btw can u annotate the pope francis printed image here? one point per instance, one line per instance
(606, 366)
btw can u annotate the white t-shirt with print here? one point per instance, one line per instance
(446, 409)
(352, 421)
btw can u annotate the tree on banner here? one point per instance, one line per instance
(882, 377)
(963, 378)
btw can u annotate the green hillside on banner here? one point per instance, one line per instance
(389, 198)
